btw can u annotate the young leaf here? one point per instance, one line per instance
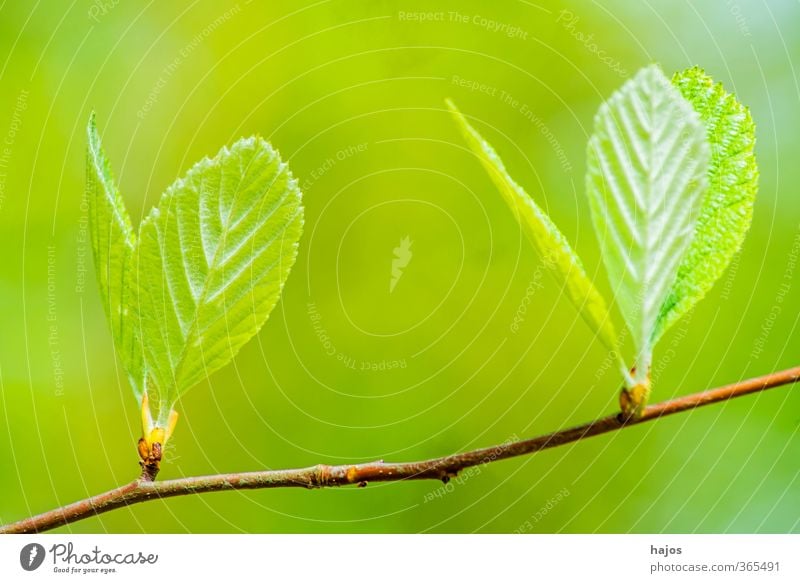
(212, 260)
(647, 162)
(113, 244)
(727, 209)
(551, 244)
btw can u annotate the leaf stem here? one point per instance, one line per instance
(443, 468)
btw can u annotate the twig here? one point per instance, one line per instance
(322, 476)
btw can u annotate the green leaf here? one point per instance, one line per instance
(549, 242)
(728, 205)
(212, 261)
(113, 244)
(647, 164)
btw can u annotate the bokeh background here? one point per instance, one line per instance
(474, 344)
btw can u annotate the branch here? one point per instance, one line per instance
(322, 476)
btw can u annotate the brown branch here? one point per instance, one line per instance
(322, 476)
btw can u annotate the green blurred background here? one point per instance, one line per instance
(345, 369)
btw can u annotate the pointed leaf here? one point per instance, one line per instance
(213, 258)
(113, 244)
(647, 163)
(550, 243)
(727, 209)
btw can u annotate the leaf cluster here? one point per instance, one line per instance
(671, 182)
(204, 270)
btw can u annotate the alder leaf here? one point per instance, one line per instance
(113, 245)
(548, 241)
(646, 177)
(212, 261)
(727, 210)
